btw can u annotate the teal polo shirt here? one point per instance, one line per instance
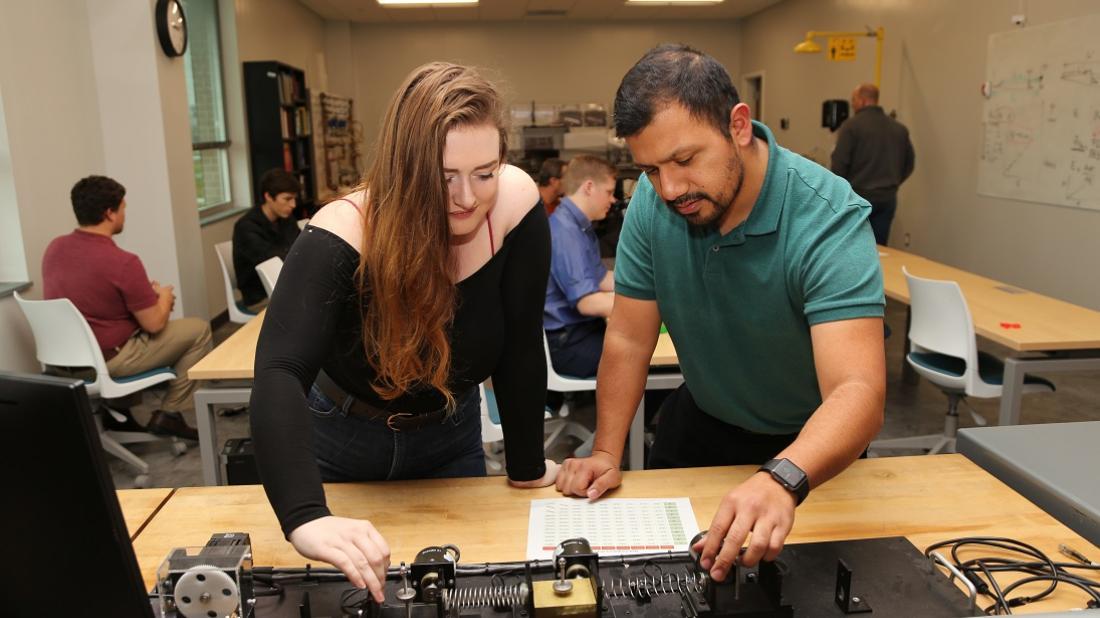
(739, 306)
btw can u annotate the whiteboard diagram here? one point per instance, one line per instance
(1041, 121)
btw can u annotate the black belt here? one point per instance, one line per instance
(397, 421)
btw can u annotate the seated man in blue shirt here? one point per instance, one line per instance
(579, 293)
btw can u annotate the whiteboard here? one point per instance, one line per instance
(1041, 118)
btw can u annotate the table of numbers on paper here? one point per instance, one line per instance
(612, 526)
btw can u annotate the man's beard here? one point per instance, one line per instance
(721, 204)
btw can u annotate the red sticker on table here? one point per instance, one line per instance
(1010, 325)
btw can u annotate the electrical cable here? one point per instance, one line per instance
(1038, 567)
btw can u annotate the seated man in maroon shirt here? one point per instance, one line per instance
(127, 312)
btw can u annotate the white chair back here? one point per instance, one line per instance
(941, 323)
(560, 383)
(269, 273)
(229, 276)
(62, 338)
(490, 430)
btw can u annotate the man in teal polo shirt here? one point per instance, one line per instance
(764, 268)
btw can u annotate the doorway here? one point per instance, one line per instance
(752, 92)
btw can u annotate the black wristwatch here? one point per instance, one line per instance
(790, 476)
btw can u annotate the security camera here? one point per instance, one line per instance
(1019, 20)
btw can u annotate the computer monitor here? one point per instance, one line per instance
(65, 543)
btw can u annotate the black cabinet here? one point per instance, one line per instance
(280, 128)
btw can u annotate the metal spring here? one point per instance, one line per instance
(646, 587)
(481, 596)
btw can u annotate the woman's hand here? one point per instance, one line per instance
(546, 480)
(351, 545)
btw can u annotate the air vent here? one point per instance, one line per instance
(547, 13)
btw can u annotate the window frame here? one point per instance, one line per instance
(209, 210)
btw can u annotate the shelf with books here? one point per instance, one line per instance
(280, 129)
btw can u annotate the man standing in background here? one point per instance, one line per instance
(874, 154)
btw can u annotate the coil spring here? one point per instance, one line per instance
(481, 596)
(646, 587)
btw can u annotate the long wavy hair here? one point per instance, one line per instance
(406, 269)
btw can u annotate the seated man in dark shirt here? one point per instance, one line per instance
(127, 312)
(579, 292)
(265, 232)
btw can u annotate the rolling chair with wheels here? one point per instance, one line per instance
(268, 270)
(238, 313)
(945, 352)
(62, 338)
(560, 425)
(492, 436)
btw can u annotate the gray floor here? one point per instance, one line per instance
(911, 409)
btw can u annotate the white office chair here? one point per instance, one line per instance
(492, 436)
(62, 338)
(560, 425)
(238, 313)
(268, 270)
(945, 351)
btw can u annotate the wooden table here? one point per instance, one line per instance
(925, 499)
(1062, 336)
(139, 506)
(664, 354)
(226, 374)
(234, 358)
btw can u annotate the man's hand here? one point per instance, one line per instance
(351, 545)
(589, 476)
(761, 506)
(547, 479)
(163, 291)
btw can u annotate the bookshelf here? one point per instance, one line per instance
(280, 127)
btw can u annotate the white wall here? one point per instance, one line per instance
(935, 60)
(554, 62)
(13, 265)
(146, 135)
(87, 90)
(52, 119)
(283, 30)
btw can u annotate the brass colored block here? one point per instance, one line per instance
(580, 602)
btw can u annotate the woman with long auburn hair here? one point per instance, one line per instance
(393, 305)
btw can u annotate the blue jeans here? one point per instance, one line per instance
(353, 448)
(882, 215)
(575, 349)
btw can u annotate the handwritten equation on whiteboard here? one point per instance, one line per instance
(1041, 120)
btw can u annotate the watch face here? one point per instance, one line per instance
(789, 472)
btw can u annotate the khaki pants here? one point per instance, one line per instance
(180, 345)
